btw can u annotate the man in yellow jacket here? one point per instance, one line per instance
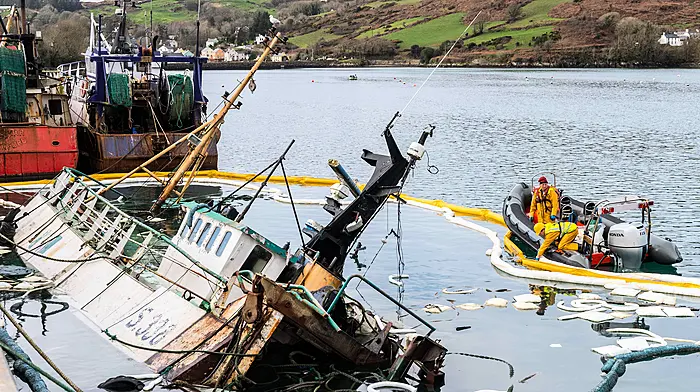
(563, 232)
(545, 202)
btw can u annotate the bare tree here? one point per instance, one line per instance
(515, 12)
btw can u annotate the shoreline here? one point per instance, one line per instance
(246, 65)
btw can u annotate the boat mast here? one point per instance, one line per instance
(197, 155)
(196, 45)
(23, 13)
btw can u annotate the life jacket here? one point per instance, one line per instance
(562, 227)
(542, 198)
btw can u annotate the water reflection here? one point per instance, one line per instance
(548, 296)
(42, 297)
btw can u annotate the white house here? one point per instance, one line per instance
(670, 39)
(207, 52)
(165, 50)
(211, 42)
(232, 55)
(172, 44)
(259, 39)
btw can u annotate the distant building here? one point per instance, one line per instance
(279, 57)
(259, 39)
(207, 52)
(217, 55)
(678, 38)
(671, 39)
(234, 55)
(165, 50)
(211, 42)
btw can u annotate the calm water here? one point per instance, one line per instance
(602, 132)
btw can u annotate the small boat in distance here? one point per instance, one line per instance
(604, 240)
(353, 77)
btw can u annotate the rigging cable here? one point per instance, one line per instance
(439, 64)
(286, 182)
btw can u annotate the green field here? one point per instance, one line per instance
(247, 5)
(304, 41)
(167, 11)
(396, 25)
(536, 13)
(432, 33)
(487, 26)
(376, 4)
(522, 36)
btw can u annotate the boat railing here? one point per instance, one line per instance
(73, 70)
(109, 229)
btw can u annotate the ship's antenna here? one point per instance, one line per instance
(196, 48)
(436, 67)
(153, 44)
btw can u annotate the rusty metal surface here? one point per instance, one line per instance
(36, 151)
(254, 338)
(314, 328)
(120, 153)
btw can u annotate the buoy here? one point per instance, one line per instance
(414, 85)
(312, 80)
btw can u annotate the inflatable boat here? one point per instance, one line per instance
(604, 241)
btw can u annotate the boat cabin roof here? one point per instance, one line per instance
(273, 247)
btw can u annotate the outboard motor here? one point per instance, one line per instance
(629, 244)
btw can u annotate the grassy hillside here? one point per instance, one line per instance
(431, 33)
(342, 28)
(167, 11)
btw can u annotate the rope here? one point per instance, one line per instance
(162, 350)
(439, 64)
(615, 367)
(296, 216)
(511, 370)
(6, 189)
(29, 363)
(26, 250)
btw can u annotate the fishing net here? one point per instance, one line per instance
(119, 90)
(181, 99)
(11, 60)
(14, 93)
(13, 81)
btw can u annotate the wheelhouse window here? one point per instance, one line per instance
(202, 236)
(214, 235)
(224, 242)
(257, 259)
(55, 107)
(194, 231)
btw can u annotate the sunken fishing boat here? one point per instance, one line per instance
(128, 109)
(37, 134)
(603, 240)
(218, 304)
